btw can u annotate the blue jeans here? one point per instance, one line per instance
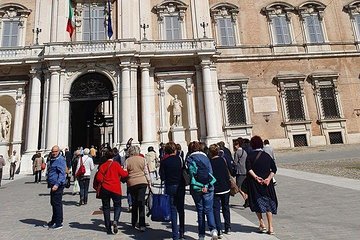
(222, 201)
(57, 205)
(204, 206)
(84, 189)
(105, 199)
(177, 202)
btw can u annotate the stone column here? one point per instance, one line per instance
(200, 103)
(210, 97)
(32, 135)
(147, 106)
(45, 109)
(52, 133)
(18, 121)
(66, 120)
(134, 103)
(163, 129)
(191, 110)
(54, 19)
(125, 103)
(116, 119)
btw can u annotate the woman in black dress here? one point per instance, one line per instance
(260, 169)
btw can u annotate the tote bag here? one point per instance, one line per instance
(160, 209)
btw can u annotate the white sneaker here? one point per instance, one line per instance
(214, 234)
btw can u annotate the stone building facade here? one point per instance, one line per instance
(287, 71)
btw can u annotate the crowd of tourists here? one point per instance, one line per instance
(208, 170)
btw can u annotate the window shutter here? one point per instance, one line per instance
(168, 28)
(357, 20)
(176, 27)
(285, 29)
(226, 31)
(278, 31)
(86, 24)
(10, 34)
(314, 29)
(99, 23)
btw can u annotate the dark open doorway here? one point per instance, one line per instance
(91, 111)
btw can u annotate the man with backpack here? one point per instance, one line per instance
(202, 188)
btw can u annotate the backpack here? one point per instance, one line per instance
(202, 173)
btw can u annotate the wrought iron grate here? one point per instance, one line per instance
(329, 104)
(300, 140)
(235, 108)
(335, 138)
(294, 105)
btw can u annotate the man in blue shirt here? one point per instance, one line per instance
(56, 182)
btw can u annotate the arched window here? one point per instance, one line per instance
(224, 16)
(13, 24)
(279, 18)
(171, 16)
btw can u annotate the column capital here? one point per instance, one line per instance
(115, 93)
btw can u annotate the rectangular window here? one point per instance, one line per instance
(172, 28)
(226, 32)
(314, 29)
(94, 25)
(300, 140)
(10, 33)
(281, 30)
(328, 102)
(335, 138)
(294, 105)
(235, 108)
(357, 21)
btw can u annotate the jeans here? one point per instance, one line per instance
(177, 202)
(38, 176)
(105, 199)
(223, 201)
(57, 205)
(204, 207)
(84, 189)
(138, 204)
(12, 170)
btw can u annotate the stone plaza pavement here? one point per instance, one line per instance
(311, 206)
(25, 208)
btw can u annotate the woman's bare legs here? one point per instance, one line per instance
(270, 221)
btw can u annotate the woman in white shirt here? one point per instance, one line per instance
(84, 179)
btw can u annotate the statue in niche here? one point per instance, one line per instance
(177, 105)
(5, 124)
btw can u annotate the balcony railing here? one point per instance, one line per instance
(17, 54)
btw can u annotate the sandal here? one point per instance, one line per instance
(270, 232)
(262, 229)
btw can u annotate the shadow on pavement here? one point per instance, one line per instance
(35, 222)
(95, 225)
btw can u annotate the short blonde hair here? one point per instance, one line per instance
(134, 151)
(86, 151)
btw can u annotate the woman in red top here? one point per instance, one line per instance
(109, 174)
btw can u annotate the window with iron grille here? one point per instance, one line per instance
(328, 102)
(235, 108)
(335, 138)
(294, 105)
(300, 140)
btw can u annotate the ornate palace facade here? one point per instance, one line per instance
(288, 71)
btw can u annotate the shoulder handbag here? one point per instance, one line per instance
(96, 185)
(245, 184)
(185, 174)
(82, 169)
(234, 189)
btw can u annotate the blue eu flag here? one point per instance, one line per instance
(110, 30)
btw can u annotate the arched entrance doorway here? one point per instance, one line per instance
(91, 111)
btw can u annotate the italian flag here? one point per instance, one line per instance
(70, 27)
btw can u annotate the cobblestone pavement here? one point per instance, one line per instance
(25, 208)
(311, 206)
